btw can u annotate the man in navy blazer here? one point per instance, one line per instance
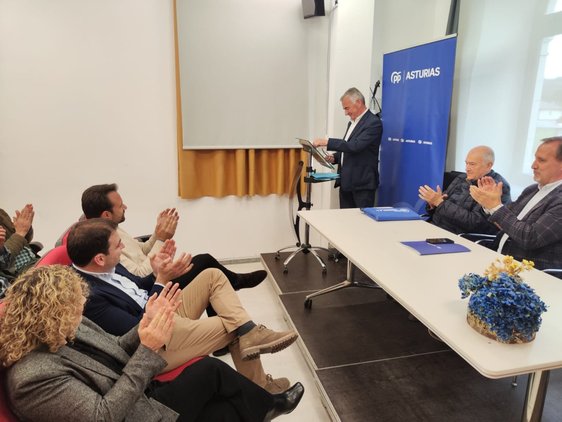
(531, 227)
(118, 298)
(357, 153)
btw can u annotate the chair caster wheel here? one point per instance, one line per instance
(277, 256)
(336, 260)
(308, 303)
(285, 270)
(324, 270)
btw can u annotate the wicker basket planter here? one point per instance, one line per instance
(484, 329)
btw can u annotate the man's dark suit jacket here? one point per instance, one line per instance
(538, 237)
(360, 169)
(110, 308)
(460, 213)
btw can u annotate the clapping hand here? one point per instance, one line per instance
(23, 220)
(166, 224)
(433, 197)
(165, 268)
(169, 297)
(155, 332)
(488, 193)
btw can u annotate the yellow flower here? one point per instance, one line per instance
(507, 265)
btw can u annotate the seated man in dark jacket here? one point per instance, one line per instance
(16, 255)
(118, 299)
(455, 210)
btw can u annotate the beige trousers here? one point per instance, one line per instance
(194, 337)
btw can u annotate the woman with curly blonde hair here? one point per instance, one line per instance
(63, 367)
(41, 311)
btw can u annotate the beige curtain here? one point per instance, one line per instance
(237, 172)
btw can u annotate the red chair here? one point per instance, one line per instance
(58, 255)
(170, 375)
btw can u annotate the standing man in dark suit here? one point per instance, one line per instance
(531, 227)
(357, 153)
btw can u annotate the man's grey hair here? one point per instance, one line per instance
(488, 154)
(559, 149)
(354, 94)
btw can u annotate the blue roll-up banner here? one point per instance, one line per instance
(416, 101)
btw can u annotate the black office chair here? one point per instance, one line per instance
(448, 177)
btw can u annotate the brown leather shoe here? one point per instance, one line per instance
(276, 385)
(261, 339)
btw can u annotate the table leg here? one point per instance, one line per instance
(534, 397)
(349, 282)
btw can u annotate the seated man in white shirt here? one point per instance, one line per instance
(531, 227)
(103, 201)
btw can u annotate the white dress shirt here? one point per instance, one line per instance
(122, 283)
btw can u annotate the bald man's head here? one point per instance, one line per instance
(479, 161)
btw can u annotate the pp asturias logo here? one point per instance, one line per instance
(395, 77)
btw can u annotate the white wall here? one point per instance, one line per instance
(88, 96)
(497, 58)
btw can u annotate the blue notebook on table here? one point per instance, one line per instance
(424, 248)
(391, 213)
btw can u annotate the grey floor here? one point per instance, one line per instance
(374, 364)
(264, 305)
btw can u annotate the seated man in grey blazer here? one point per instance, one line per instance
(455, 210)
(530, 227)
(63, 367)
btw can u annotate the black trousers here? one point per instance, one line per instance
(209, 391)
(202, 262)
(357, 198)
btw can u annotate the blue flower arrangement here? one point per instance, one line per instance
(501, 305)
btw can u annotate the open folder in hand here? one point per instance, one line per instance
(319, 154)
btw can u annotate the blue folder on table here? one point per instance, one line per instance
(424, 248)
(391, 213)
